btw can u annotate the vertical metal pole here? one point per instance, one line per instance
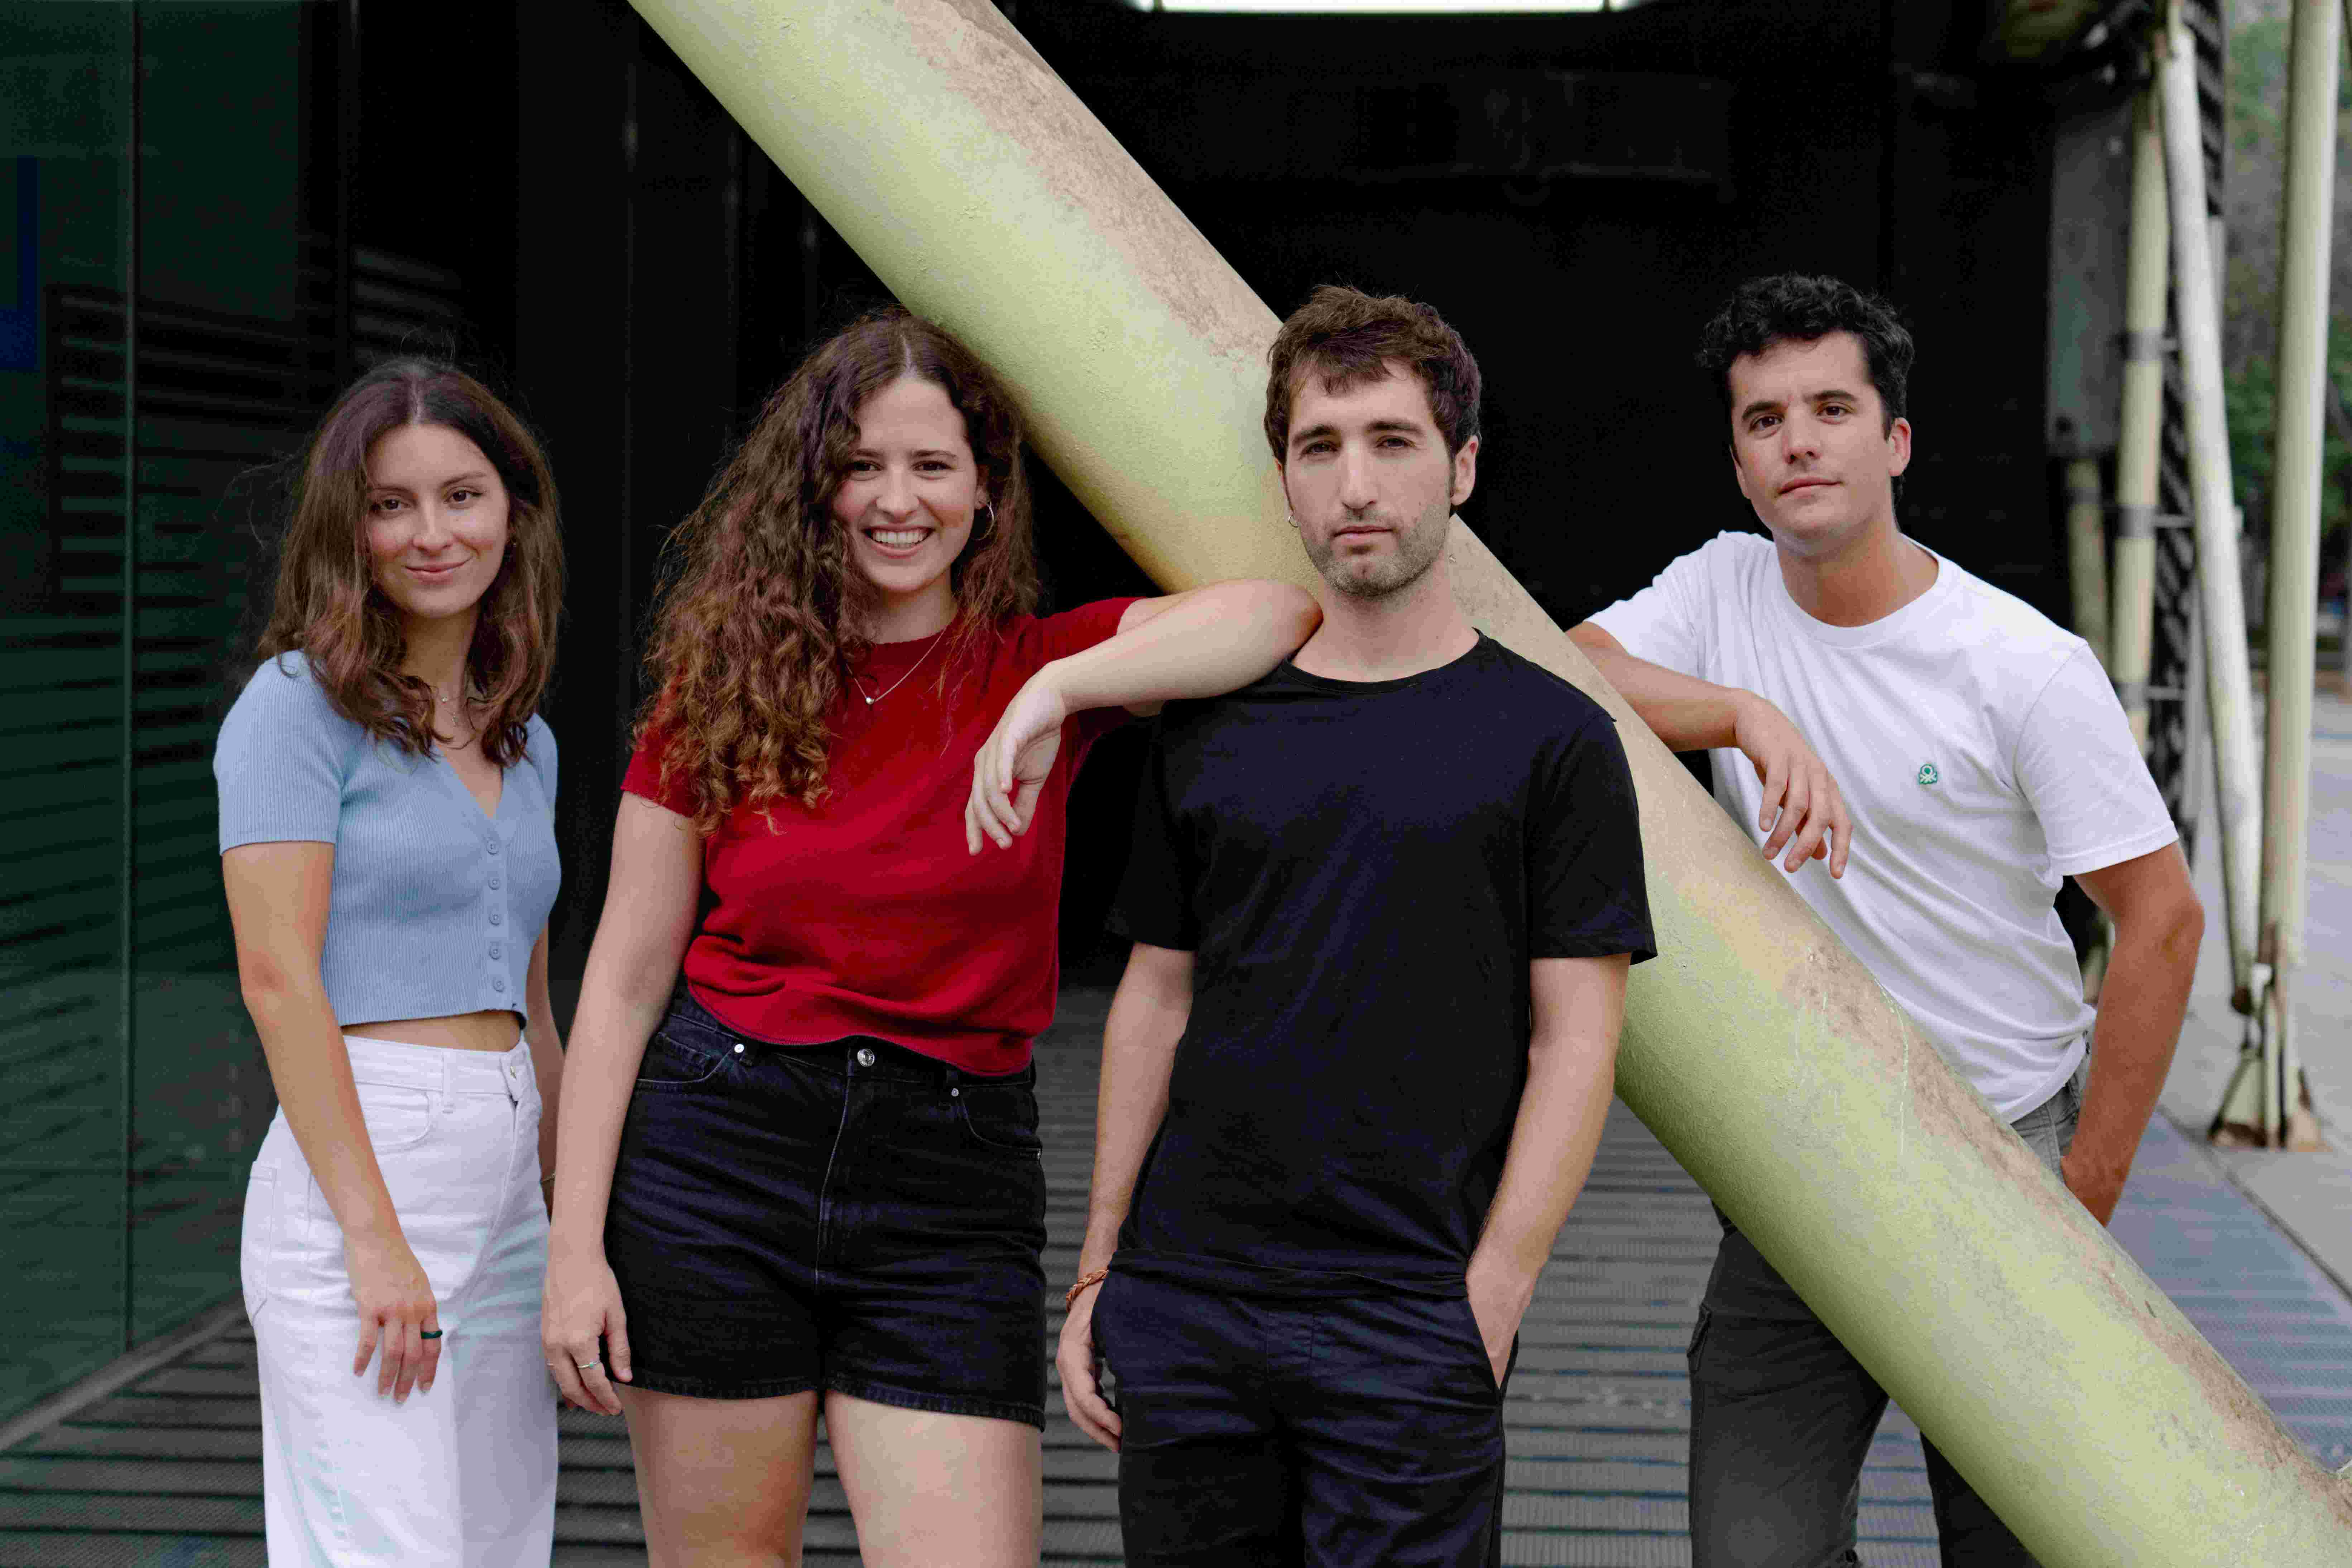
(2147, 278)
(2220, 592)
(2295, 537)
(2086, 553)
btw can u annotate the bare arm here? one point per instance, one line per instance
(2158, 923)
(1803, 808)
(546, 1063)
(649, 909)
(1193, 644)
(1198, 643)
(278, 895)
(1580, 1004)
(1147, 1020)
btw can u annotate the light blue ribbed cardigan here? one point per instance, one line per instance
(435, 904)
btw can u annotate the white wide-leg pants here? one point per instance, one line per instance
(463, 1476)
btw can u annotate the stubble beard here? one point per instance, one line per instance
(1416, 550)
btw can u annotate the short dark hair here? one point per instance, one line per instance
(1348, 337)
(1796, 307)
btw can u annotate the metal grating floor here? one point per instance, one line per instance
(166, 1473)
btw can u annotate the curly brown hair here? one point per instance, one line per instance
(1348, 337)
(328, 607)
(755, 635)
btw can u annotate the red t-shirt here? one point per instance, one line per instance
(863, 915)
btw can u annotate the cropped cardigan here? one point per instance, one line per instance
(436, 905)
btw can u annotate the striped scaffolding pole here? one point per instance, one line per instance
(2140, 446)
(2046, 1365)
(2220, 592)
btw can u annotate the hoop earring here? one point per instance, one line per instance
(989, 523)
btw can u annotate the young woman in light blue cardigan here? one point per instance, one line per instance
(386, 814)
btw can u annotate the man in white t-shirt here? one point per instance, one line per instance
(1841, 673)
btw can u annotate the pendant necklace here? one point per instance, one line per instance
(894, 686)
(441, 701)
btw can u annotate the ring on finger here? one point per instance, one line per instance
(588, 1366)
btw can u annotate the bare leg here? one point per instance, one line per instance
(723, 1483)
(930, 1490)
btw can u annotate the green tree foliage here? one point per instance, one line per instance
(2253, 183)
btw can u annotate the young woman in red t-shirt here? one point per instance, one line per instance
(824, 1183)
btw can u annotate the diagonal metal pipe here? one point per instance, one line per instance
(2046, 1365)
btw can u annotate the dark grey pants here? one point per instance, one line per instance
(1781, 1417)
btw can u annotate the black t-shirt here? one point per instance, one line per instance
(1364, 871)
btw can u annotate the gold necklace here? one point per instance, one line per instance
(894, 686)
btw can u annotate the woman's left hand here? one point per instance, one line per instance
(1010, 771)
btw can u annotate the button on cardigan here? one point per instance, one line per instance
(435, 904)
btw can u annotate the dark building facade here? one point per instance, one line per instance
(218, 211)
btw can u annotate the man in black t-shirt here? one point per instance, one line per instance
(1383, 903)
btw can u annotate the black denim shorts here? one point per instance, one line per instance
(855, 1216)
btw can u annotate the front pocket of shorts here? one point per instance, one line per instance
(1002, 1117)
(397, 1116)
(668, 1065)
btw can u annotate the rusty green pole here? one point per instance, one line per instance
(2046, 1365)
(2305, 224)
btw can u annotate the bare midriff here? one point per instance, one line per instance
(494, 1030)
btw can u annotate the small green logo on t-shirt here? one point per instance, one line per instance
(1928, 773)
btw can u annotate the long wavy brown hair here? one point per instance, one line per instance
(758, 629)
(328, 607)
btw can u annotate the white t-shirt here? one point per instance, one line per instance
(1983, 756)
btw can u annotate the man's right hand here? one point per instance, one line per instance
(582, 1323)
(1079, 1367)
(1803, 808)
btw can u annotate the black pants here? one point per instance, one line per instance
(1782, 1417)
(1324, 1430)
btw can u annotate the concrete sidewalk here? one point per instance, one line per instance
(166, 1472)
(2307, 1195)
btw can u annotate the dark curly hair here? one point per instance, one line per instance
(1347, 336)
(758, 628)
(1796, 307)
